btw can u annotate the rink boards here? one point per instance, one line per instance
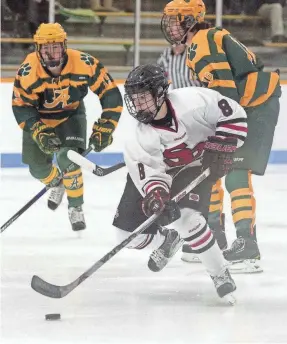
(11, 134)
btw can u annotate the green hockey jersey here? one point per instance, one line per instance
(38, 95)
(224, 64)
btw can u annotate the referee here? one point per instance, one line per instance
(173, 61)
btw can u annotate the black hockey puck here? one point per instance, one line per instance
(53, 316)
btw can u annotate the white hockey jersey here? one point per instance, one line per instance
(150, 151)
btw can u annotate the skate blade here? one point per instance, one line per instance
(230, 299)
(190, 258)
(248, 266)
(79, 234)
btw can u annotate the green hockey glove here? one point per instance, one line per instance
(46, 138)
(102, 134)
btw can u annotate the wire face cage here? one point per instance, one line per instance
(175, 28)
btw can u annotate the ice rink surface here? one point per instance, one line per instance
(124, 302)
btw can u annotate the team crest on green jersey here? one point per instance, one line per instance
(191, 51)
(24, 69)
(88, 59)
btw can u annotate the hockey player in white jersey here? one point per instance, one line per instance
(176, 135)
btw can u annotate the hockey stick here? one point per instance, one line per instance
(90, 166)
(36, 197)
(58, 292)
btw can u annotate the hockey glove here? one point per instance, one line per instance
(218, 156)
(159, 200)
(102, 134)
(46, 138)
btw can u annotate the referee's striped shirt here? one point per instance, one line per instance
(176, 68)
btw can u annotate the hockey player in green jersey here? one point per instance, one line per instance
(48, 105)
(224, 64)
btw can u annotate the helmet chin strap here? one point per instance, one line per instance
(160, 106)
(184, 38)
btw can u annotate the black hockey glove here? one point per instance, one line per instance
(218, 156)
(159, 200)
(102, 134)
(46, 138)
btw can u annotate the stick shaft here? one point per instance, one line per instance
(53, 291)
(34, 199)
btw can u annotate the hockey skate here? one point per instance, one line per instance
(243, 256)
(77, 218)
(162, 255)
(225, 286)
(56, 196)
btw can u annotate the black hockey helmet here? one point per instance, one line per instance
(145, 91)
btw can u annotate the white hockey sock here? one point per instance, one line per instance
(193, 228)
(213, 260)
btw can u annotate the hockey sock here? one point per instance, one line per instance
(243, 204)
(208, 251)
(213, 260)
(216, 205)
(73, 182)
(46, 174)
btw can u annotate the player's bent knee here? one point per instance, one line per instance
(195, 231)
(40, 171)
(140, 242)
(190, 221)
(62, 157)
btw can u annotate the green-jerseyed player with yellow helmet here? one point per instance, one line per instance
(48, 105)
(224, 64)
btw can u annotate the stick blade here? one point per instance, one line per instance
(88, 165)
(47, 289)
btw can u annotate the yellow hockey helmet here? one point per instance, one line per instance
(179, 16)
(49, 34)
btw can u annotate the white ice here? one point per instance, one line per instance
(124, 302)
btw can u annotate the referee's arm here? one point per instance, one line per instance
(163, 59)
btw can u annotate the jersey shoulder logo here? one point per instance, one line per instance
(24, 69)
(191, 51)
(88, 59)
